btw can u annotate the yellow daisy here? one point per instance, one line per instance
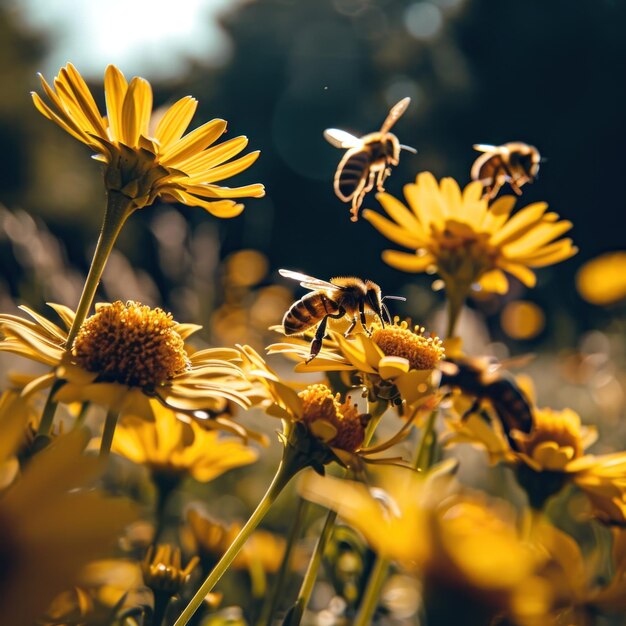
(394, 362)
(553, 454)
(335, 429)
(146, 155)
(262, 550)
(51, 529)
(170, 447)
(124, 355)
(467, 241)
(467, 549)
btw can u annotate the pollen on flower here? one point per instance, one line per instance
(422, 353)
(338, 425)
(131, 344)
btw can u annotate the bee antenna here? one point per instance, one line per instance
(408, 148)
(402, 298)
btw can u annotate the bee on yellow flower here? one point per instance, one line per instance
(551, 455)
(394, 362)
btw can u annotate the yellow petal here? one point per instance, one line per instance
(175, 122)
(392, 231)
(115, 87)
(519, 224)
(408, 262)
(392, 366)
(190, 146)
(494, 281)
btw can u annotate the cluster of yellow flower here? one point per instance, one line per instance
(383, 385)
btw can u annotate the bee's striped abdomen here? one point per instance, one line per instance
(308, 312)
(354, 170)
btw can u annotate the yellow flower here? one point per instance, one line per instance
(105, 589)
(464, 239)
(146, 155)
(394, 362)
(466, 548)
(602, 280)
(124, 355)
(335, 430)
(263, 549)
(50, 529)
(551, 455)
(170, 447)
(163, 571)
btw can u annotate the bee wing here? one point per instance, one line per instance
(483, 147)
(308, 282)
(396, 112)
(341, 138)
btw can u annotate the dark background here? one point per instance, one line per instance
(550, 73)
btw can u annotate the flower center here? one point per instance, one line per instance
(462, 252)
(336, 424)
(131, 344)
(559, 431)
(422, 353)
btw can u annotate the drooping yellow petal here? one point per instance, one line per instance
(408, 262)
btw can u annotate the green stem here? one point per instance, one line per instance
(294, 616)
(289, 467)
(119, 208)
(109, 430)
(281, 577)
(372, 592)
(456, 299)
(376, 410)
(423, 454)
(49, 409)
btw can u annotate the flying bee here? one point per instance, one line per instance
(486, 381)
(343, 296)
(515, 163)
(368, 160)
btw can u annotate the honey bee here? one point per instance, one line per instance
(487, 382)
(341, 296)
(368, 160)
(515, 163)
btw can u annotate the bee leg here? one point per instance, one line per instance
(316, 344)
(351, 327)
(363, 319)
(473, 409)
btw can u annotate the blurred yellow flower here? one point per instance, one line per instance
(124, 355)
(465, 240)
(105, 589)
(521, 319)
(602, 280)
(163, 571)
(467, 549)
(168, 446)
(50, 529)
(395, 362)
(146, 154)
(263, 549)
(551, 455)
